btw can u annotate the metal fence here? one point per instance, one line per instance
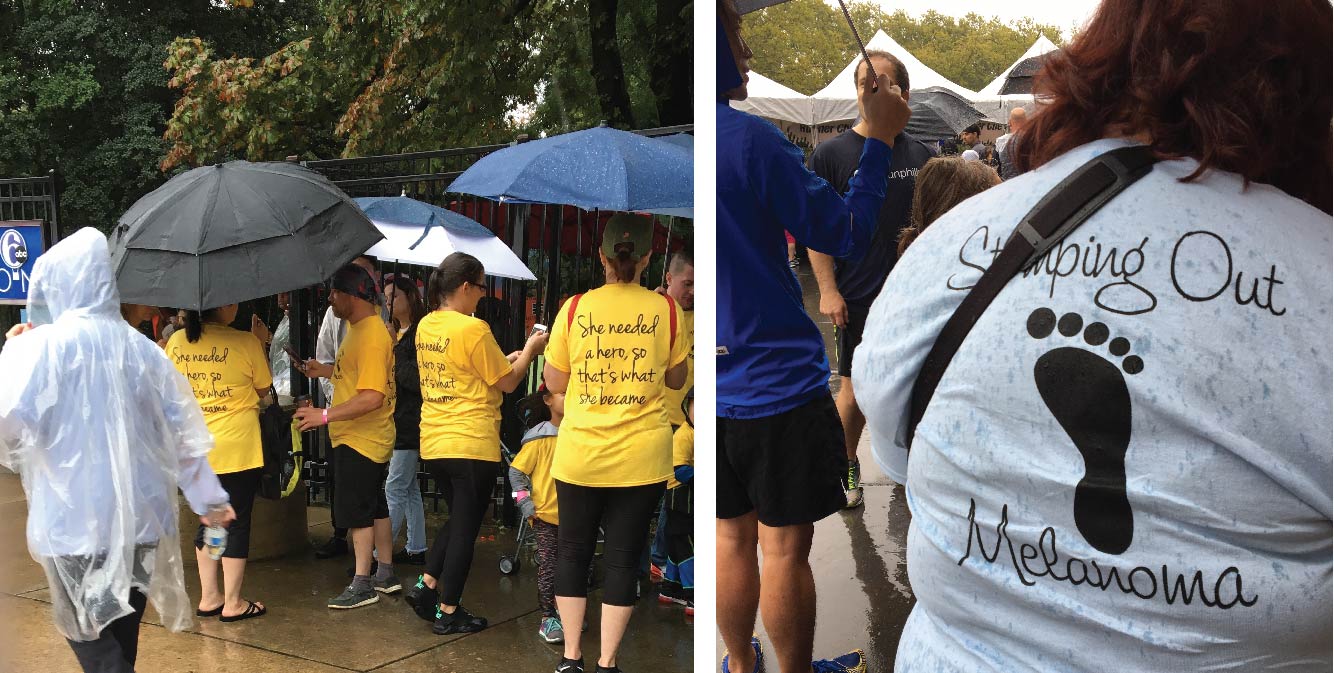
(559, 244)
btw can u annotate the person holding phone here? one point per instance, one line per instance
(462, 376)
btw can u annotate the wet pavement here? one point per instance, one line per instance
(861, 577)
(300, 634)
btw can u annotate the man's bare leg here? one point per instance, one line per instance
(787, 594)
(738, 571)
(854, 422)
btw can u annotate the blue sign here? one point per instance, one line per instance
(20, 245)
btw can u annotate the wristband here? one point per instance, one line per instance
(520, 495)
(326, 415)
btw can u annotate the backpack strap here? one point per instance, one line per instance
(569, 315)
(671, 311)
(1057, 214)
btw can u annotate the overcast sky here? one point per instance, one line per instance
(1065, 14)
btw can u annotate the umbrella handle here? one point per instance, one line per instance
(870, 69)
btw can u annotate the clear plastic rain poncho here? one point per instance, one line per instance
(101, 428)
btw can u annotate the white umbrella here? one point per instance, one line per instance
(427, 246)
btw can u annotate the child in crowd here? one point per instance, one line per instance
(530, 473)
(678, 585)
(942, 184)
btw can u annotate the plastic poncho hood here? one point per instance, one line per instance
(99, 425)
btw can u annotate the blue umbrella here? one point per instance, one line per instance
(599, 168)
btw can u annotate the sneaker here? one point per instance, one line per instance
(351, 598)
(655, 573)
(551, 630)
(669, 594)
(570, 666)
(604, 669)
(759, 657)
(386, 586)
(403, 556)
(793, 263)
(853, 487)
(461, 621)
(336, 546)
(690, 608)
(423, 599)
(852, 662)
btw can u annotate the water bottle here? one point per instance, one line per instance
(215, 536)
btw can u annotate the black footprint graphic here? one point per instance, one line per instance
(1087, 395)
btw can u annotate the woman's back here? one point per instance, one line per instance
(1127, 463)
(617, 347)
(224, 368)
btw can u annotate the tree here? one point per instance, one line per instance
(805, 43)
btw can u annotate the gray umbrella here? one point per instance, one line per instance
(938, 113)
(748, 6)
(218, 235)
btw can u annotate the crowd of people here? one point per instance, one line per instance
(1118, 467)
(414, 383)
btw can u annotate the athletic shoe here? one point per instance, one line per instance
(551, 630)
(793, 263)
(351, 598)
(853, 487)
(423, 599)
(759, 657)
(405, 557)
(570, 666)
(655, 573)
(669, 594)
(852, 662)
(387, 586)
(690, 608)
(461, 621)
(604, 669)
(336, 546)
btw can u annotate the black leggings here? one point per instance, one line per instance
(450, 556)
(117, 646)
(241, 488)
(627, 513)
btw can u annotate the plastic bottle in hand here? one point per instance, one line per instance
(215, 536)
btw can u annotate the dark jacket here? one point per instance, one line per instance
(408, 405)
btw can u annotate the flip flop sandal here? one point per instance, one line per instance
(251, 610)
(209, 613)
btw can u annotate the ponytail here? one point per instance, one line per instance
(624, 265)
(194, 323)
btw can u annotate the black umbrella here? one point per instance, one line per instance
(1020, 79)
(938, 113)
(748, 6)
(218, 235)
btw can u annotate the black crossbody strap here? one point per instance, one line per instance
(1057, 214)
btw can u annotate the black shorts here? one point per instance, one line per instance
(787, 468)
(846, 339)
(359, 499)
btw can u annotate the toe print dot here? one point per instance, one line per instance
(1041, 322)
(1096, 333)
(1119, 346)
(1133, 365)
(1070, 324)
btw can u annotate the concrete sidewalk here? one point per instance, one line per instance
(300, 634)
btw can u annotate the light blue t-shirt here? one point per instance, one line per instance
(1127, 464)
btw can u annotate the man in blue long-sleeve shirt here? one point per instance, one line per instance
(780, 443)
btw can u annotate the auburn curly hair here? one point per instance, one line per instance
(1242, 86)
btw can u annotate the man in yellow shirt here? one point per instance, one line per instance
(361, 430)
(679, 285)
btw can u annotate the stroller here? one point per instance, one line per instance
(525, 542)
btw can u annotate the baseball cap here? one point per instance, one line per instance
(628, 232)
(354, 280)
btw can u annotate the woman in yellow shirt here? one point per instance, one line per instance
(463, 374)
(229, 373)
(614, 352)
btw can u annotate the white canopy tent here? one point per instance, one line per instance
(771, 100)
(996, 106)
(838, 100)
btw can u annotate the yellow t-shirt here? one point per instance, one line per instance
(224, 368)
(617, 350)
(459, 363)
(365, 361)
(683, 450)
(673, 398)
(534, 460)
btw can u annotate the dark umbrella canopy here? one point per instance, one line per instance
(938, 113)
(218, 235)
(1020, 79)
(748, 6)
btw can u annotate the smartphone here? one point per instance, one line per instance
(537, 328)
(291, 353)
